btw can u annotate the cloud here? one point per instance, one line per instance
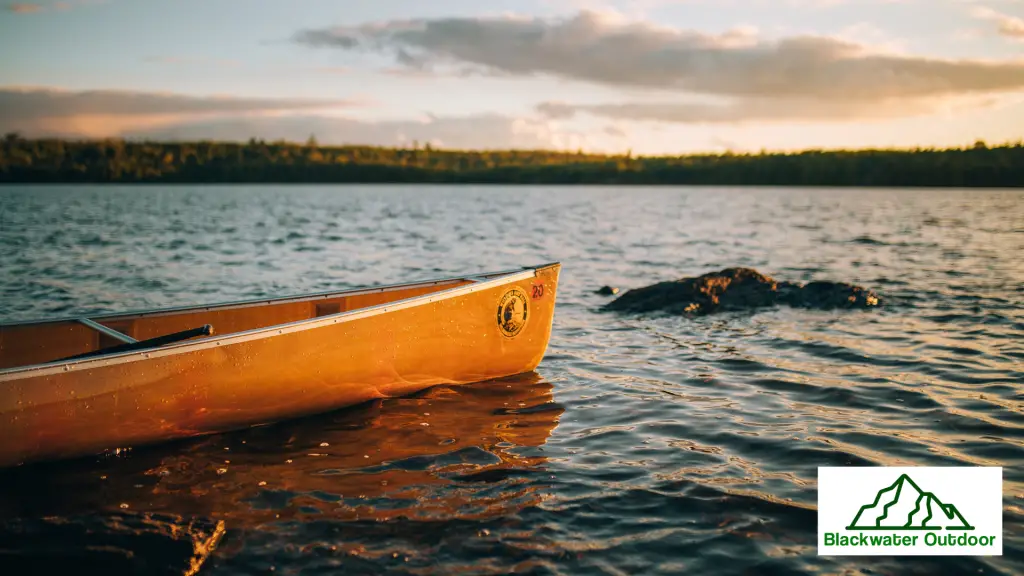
(107, 112)
(615, 132)
(646, 7)
(485, 131)
(24, 8)
(723, 143)
(1009, 26)
(745, 110)
(611, 50)
(33, 7)
(46, 102)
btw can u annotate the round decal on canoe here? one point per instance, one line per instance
(512, 312)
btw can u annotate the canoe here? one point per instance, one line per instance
(75, 387)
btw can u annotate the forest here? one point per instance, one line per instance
(24, 160)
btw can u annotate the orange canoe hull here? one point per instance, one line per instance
(332, 351)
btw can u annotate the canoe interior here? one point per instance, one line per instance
(26, 344)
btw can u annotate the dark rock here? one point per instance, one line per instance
(607, 291)
(108, 544)
(826, 295)
(739, 289)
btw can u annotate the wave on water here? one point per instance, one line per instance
(648, 442)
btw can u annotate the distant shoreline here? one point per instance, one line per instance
(51, 161)
(449, 185)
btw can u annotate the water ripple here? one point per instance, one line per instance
(642, 445)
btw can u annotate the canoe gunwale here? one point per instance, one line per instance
(251, 302)
(492, 280)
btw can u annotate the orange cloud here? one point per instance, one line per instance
(596, 48)
(24, 8)
(33, 7)
(1006, 25)
(96, 113)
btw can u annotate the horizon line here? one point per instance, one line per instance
(426, 146)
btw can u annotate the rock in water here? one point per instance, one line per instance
(607, 291)
(826, 295)
(739, 289)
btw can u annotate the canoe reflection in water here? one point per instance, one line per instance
(464, 453)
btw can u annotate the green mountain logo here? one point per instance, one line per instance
(904, 506)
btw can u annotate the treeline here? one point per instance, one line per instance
(116, 161)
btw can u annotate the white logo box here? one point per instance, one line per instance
(910, 511)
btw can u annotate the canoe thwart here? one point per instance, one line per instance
(205, 330)
(108, 331)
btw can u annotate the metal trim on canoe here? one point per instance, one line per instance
(494, 279)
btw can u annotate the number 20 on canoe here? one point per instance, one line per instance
(79, 386)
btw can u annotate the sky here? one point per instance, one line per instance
(644, 76)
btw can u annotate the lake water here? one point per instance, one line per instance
(640, 445)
